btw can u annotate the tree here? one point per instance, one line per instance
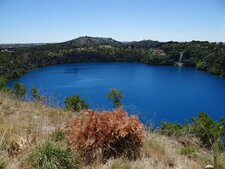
(35, 93)
(201, 65)
(75, 103)
(116, 96)
(2, 82)
(20, 90)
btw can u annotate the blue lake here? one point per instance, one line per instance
(154, 93)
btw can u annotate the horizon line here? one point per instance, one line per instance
(123, 41)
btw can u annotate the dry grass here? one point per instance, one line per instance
(113, 132)
(25, 124)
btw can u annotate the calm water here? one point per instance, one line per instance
(153, 92)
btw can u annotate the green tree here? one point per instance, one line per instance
(201, 65)
(35, 93)
(2, 82)
(116, 96)
(75, 103)
(20, 90)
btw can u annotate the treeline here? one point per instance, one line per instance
(202, 55)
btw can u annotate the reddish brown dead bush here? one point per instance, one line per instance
(112, 132)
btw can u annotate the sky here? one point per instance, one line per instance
(47, 21)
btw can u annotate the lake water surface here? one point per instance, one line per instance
(154, 93)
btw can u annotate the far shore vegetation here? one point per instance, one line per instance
(203, 55)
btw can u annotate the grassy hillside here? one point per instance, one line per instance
(31, 131)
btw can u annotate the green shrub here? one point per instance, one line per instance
(58, 135)
(7, 89)
(75, 103)
(208, 130)
(20, 90)
(52, 155)
(188, 150)
(172, 129)
(203, 127)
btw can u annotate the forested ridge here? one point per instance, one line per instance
(14, 60)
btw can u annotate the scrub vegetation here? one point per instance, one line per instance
(33, 135)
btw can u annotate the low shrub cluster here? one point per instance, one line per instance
(114, 133)
(51, 155)
(75, 103)
(203, 127)
(188, 150)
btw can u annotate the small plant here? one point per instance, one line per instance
(188, 150)
(116, 96)
(20, 90)
(58, 135)
(171, 129)
(113, 132)
(51, 155)
(2, 164)
(75, 103)
(35, 93)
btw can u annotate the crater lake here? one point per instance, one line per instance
(154, 93)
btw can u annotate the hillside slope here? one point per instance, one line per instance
(23, 125)
(87, 40)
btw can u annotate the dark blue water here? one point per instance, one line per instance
(152, 92)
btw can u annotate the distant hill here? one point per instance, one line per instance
(87, 40)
